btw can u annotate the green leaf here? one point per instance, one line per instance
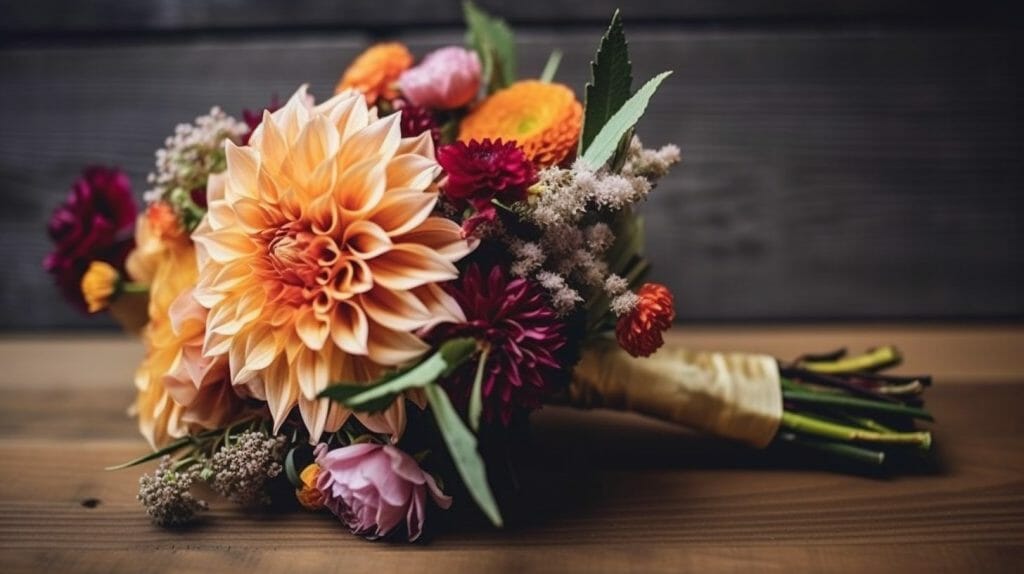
(462, 446)
(174, 446)
(607, 140)
(551, 67)
(378, 396)
(476, 401)
(494, 42)
(610, 84)
(290, 470)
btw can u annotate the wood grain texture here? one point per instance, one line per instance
(103, 16)
(851, 174)
(600, 492)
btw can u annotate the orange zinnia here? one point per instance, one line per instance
(544, 119)
(375, 71)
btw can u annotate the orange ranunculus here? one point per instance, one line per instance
(99, 285)
(542, 118)
(375, 72)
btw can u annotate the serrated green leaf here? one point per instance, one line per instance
(551, 67)
(494, 43)
(380, 395)
(462, 446)
(607, 140)
(610, 83)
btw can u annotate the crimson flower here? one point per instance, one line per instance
(93, 224)
(482, 171)
(416, 120)
(639, 332)
(523, 332)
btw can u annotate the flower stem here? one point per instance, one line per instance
(855, 403)
(871, 361)
(848, 451)
(830, 430)
(135, 288)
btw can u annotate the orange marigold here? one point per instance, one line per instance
(640, 331)
(376, 71)
(542, 118)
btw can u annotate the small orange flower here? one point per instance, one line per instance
(544, 119)
(375, 71)
(164, 221)
(639, 331)
(309, 495)
(99, 284)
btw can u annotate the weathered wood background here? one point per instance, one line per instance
(858, 159)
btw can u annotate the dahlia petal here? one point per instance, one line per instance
(350, 329)
(391, 421)
(312, 330)
(389, 347)
(243, 166)
(422, 144)
(380, 139)
(412, 170)
(442, 235)
(360, 187)
(408, 265)
(281, 394)
(314, 414)
(294, 114)
(219, 214)
(251, 216)
(311, 372)
(227, 245)
(366, 239)
(399, 310)
(316, 144)
(442, 307)
(401, 210)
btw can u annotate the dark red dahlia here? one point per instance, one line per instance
(524, 334)
(416, 120)
(481, 171)
(94, 223)
(253, 118)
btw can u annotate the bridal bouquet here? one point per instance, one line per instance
(349, 294)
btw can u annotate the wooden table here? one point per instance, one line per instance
(600, 491)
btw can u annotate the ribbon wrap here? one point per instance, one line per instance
(731, 395)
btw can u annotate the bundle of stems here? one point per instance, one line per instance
(847, 406)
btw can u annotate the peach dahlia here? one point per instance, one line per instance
(319, 256)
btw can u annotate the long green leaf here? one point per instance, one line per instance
(607, 140)
(610, 83)
(494, 42)
(378, 396)
(462, 446)
(476, 400)
(174, 446)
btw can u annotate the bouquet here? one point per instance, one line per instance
(354, 295)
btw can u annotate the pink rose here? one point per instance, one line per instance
(446, 79)
(372, 487)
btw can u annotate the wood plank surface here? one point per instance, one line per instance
(599, 492)
(857, 173)
(105, 16)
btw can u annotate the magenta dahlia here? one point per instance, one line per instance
(416, 120)
(93, 224)
(524, 333)
(482, 171)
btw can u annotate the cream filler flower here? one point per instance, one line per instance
(320, 258)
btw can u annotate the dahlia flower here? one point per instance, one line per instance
(446, 79)
(320, 258)
(93, 224)
(543, 118)
(479, 172)
(523, 332)
(639, 332)
(375, 72)
(372, 488)
(416, 120)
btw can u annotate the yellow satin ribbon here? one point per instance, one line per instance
(731, 395)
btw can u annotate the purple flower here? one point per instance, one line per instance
(446, 79)
(93, 224)
(373, 487)
(524, 333)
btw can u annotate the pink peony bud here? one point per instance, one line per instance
(371, 488)
(446, 79)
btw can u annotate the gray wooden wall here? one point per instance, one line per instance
(849, 160)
